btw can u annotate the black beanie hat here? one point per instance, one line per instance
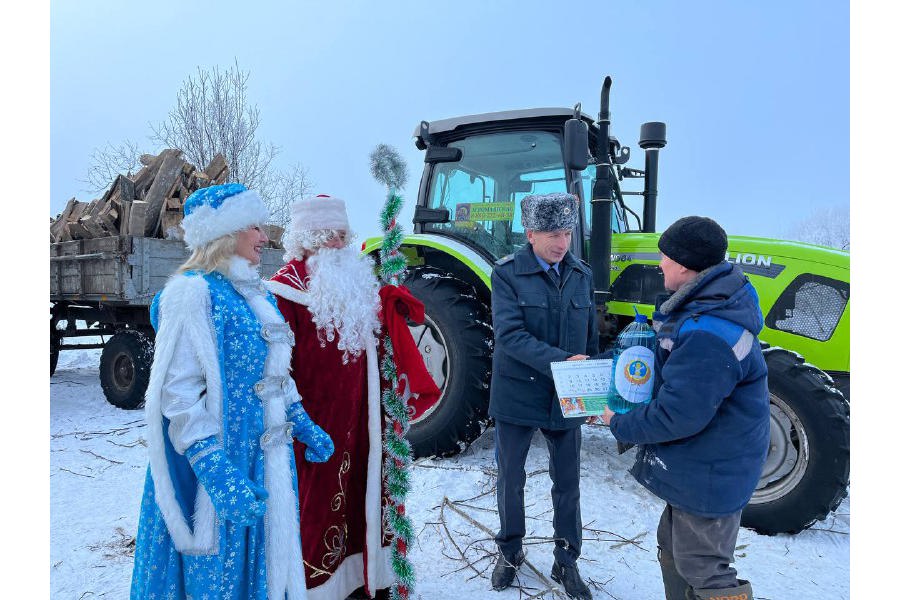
(694, 242)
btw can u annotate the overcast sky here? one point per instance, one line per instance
(755, 94)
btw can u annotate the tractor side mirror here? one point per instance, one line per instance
(431, 215)
(575, 151)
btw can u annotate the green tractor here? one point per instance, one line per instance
(467, 216)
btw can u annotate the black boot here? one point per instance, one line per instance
(675, 585)
(741, 592)
(571, 580)
(505, 570)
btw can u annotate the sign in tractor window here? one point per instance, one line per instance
(469, 212)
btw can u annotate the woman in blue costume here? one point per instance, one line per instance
(219, 516)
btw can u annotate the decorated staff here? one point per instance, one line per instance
(388, 168)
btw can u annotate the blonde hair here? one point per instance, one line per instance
(210, 257)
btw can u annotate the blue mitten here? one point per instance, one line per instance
(319, 446)
(235, 497)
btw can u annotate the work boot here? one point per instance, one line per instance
(675, 585)
(505, 570)
(571, 580)
(741, 592)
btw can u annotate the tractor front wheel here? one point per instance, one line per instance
(807, 470)
(456, 343)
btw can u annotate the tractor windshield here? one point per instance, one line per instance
(484, 189)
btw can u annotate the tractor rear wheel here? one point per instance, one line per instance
(807, 471)
(125, 368)
(456, 343)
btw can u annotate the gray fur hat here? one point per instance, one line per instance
(549, 212)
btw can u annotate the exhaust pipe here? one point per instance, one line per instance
(653, 137)
(601, 203)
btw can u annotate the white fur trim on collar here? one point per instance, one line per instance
(236, 212)
(240, 270)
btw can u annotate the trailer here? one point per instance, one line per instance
(102, 288)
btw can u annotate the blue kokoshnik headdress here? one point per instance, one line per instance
(218, 210)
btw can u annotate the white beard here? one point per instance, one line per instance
(343, 298)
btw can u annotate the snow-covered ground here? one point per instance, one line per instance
(98, 462)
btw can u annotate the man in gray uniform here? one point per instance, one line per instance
(543, 312)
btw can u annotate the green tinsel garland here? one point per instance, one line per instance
(389, 168)
(396, 463)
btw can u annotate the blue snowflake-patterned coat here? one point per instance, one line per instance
(238, 338)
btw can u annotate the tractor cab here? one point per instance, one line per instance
(478, 169)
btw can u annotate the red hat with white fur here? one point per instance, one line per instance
(319, 212)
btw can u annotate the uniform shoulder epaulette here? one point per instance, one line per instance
(505, 259)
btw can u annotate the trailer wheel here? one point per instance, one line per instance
(55, 341)
(125, 368)
(456, 343)
(807, 471)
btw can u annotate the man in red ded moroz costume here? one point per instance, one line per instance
(330, 296)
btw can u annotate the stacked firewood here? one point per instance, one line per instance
(148, 204)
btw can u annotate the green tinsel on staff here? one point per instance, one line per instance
(388, 168)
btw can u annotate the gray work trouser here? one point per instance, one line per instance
(511, 449)
(703, 548)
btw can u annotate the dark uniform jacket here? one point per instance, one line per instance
(536, 323)
(705, 434)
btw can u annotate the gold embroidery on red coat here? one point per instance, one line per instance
(315, 571)
(335, 538)
(337, 502)
(336, 543)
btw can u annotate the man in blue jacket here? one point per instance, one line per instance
(705, 434)
(543, 312)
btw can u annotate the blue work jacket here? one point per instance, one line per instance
(705, 434)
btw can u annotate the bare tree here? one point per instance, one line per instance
(281, 188)
(826, 226)
(212, 115)
(110, 161)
